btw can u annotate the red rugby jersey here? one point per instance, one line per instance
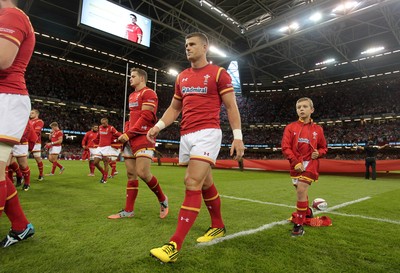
(16, 27)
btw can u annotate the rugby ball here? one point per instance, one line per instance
(319, 204)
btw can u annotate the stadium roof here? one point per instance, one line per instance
(249, 31)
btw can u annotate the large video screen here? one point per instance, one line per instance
(116, 20)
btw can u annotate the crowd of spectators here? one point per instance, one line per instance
(265, 112)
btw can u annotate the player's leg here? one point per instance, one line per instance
(106, 161)
(53, 161)
(4, 155)
(213, 203)
(302, 207)
(26, 172)
(367, 168)
(113, 165)
(143, 163)
(38, 158)
(96, 162)
(21, 229)
(14, 112)
(195, 175)
(132, 189)
(14, 167)
(373, 169)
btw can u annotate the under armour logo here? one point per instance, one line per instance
(185, 219)
(184, 79)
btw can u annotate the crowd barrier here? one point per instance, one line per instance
(326, 165)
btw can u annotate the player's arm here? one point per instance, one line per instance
(322, 147)
(169, 116)
(287, 151)
(146, 116)
(85, 140)
(8, 52)
(58, 141)
(384, 146)
(232, 110)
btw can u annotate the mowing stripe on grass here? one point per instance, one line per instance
(273, 224)
(256, 201)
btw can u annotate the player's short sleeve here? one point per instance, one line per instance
(224, 82)
(13, 28)
(39, 125)
(150, 98)
(178, 92)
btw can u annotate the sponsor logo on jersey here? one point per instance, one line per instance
(134, 104)
(304, 140)
(192, 89)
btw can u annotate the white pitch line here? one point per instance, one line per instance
(366, 217)
(257, 201)
(270, 225)
(243, 233)
(346, 204)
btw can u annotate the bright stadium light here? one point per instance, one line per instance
(173, 72)
(328, 61)
(217, 51)
(290, 28)
(346, 7)
(373, 50)
(316, 17)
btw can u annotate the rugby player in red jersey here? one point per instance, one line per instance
(17, 40)
(199, 92)
(303, 143)
(104, 150)
(38, 125)
(89, 145)
(138, 150)
(54, 147)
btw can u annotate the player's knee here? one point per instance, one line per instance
(192, 184)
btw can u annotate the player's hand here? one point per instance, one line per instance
(48, 145)
(123, 138)
(237, 149)
(299, 168)
(152, 134)
(315, 154)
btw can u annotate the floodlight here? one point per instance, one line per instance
(327, 61)
(373, 50)
(345, 7)
(290, 28)
(316, 17)
(173, 72)
(217, 51)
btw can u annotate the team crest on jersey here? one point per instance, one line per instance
(315, 134)
(184, 79)
(206, 77)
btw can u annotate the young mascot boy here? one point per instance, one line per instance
(303, 143)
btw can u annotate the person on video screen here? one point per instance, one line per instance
(133, 32)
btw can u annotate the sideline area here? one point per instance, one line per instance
(326, 165)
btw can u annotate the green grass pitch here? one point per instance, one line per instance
(73, 234)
